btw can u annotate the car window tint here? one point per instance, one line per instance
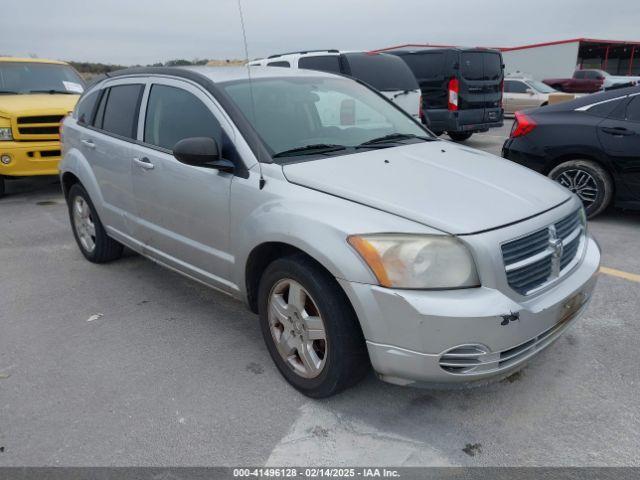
(492, 66)
(579, 74)
(97, 120)
(425, 65)
(386, 73)
(174, 114)
(280, 63)
(121, 110)
(519, 87)
(86, 107)
(471, 65)
(633, 110)
(325, 63)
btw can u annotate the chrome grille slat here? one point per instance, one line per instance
(538, 258)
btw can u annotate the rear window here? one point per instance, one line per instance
(383, 72)
(425, 65)
(119, 110)
(480, 66)
(324, 63)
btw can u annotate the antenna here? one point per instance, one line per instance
(246, 62)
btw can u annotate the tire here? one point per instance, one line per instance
(589, 181)
(105, 249)
(339, 357)
(460, 136)
(1, 187)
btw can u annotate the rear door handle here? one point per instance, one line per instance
(143, 163)
(618, 131)
(88, 143)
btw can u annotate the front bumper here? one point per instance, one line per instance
(408, 331)
(30, 158)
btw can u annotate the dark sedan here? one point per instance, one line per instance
(590, 145)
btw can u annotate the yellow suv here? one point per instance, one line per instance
(35, 95)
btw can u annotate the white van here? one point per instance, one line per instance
(393, 78)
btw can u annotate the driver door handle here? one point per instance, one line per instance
(144, 163)
(88, 143)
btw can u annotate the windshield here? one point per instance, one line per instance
(320, 113)
(386, 73)
(27, 77)
(541, 87)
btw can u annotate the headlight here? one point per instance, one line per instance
(5, 134)
(417, 261)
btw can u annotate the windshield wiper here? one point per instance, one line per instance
(53, 91)
(310, 150)
(394, 137)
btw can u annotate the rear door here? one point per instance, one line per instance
(108, 147)
(619, 135)
(183, 210)
(480, 79)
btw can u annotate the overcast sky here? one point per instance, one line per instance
(148, 31)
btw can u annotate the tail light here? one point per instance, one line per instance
(454, 89)
(523, 125)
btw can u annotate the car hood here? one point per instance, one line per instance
(449, 187)
(12, 105)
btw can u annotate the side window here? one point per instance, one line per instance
(633, 109)
(280, 63)
(507, 86)
(86, 107)
(614, 109)
(325, 63)
(174, 114)
(579, 74)
(519, 87)
(121, 107)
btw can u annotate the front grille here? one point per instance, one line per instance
(38, 127)
(541, 257)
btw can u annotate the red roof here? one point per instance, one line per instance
(523, 47)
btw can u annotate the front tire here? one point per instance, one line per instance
(1, 187)
(589, 181)
(310, 329)
(90, 235)
(460, 136)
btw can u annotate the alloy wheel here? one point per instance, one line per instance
(83, 222)
(581, 183)
(297, 328)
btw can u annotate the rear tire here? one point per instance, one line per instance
(589, 181)
(315, 342)
(90, 235)
(460, 136)
(1, 187)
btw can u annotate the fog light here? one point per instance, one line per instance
(5, 159)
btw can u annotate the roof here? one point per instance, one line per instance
(510, 49)
(31, 60)
(416, 47)
(223, 74)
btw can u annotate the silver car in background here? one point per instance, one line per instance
(360, 242)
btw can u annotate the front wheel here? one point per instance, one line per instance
(310, 329)
(588, 180)
(460, 136)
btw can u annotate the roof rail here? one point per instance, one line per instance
(331, 50)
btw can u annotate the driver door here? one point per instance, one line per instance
(183, 211)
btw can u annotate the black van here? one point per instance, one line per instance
(461, 88)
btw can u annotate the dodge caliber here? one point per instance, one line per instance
(359, 238)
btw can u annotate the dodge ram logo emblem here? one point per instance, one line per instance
(556, 246)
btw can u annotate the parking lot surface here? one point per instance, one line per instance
(131, 364)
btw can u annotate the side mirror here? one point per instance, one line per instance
(201, 152)
(530, 91)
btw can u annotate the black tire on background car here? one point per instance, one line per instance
(90, 235)
(310, 328)
(460, 136)
(1, 186)
(588, 180)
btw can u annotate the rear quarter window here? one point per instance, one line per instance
(324, 63)
(280, 63)
(86, 107)
(383, 72)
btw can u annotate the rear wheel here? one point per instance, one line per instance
(1, 187)
(460, 136)
(310, 329)
(589, 181)
(88, 231)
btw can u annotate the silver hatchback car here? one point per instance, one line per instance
(358, 237)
